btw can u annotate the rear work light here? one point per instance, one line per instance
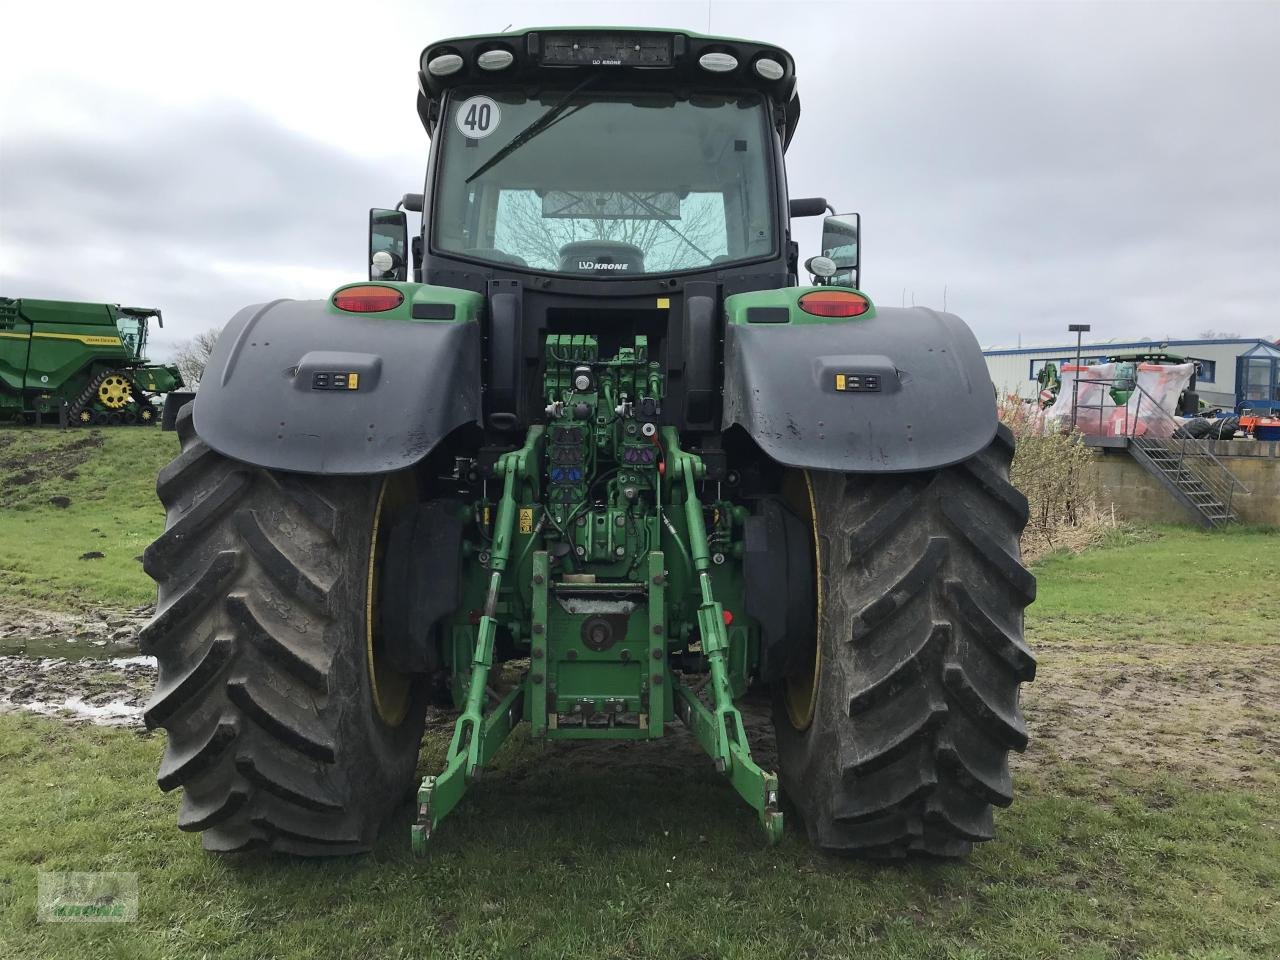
(769, 68)
(718, 62)
(368, 298)
(495, 59)
(444, 65)
(834, 303)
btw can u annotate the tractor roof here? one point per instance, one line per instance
(142, 313)
(627, 58)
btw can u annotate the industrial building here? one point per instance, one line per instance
(1233, 373)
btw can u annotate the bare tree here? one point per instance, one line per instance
(1212, 334)
(193, 354)
(695, 238)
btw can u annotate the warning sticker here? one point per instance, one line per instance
(526, 520)
(858, 382)
(477, 117)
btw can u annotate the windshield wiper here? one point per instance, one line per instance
(532, 130)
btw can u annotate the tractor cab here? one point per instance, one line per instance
(587, 155)
(623, 183)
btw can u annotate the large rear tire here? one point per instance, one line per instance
(262, 638)
(896, 742)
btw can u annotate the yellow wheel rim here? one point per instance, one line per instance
(800, 693)
(85, 416)
(114, 392)
(390, 687)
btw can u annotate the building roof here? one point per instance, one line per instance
(1093, 346)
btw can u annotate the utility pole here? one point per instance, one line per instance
(1079, 329)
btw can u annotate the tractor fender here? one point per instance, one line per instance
(296, 385)
(923, 398)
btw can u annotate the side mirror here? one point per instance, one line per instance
(841, 235)
(388, 245)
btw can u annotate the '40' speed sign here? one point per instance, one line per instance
(477, 117)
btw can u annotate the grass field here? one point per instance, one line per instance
(64, 494)
(1146, 823)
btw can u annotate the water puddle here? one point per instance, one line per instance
(93, 636)
(82, 669)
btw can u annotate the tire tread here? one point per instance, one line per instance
(262, 684)
(924, 592)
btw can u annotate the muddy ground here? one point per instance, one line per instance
(32, 467)
(81, 668)
(1207, 714)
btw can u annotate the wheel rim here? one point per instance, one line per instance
(114, 392)
(800, 692)
(390, 687)
(86, 416)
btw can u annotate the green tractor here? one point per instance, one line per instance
(1050, 384)
(85, 362)
(584, 454)
(1127, 364)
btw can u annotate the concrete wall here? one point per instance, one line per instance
(1121, 482)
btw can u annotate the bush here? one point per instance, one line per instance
(1052, 471)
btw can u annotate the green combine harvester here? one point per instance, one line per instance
(585, 454)
(86, 362)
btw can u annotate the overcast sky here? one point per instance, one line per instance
(1044, 163)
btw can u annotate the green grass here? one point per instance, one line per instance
(615, 865)
(1186, 584)
(643, 852)
(109, 478)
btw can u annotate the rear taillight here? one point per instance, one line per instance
(834, 303)
(369, 298)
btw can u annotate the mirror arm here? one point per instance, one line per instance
(807, 206)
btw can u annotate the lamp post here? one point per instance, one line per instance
(1079, 329)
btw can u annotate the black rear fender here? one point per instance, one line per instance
(922, 398)
(298, 385)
